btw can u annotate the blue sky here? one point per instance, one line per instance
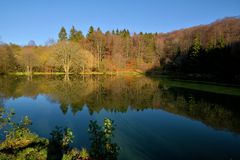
(39, 20)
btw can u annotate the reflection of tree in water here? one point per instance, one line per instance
(117, 94)
(192, 106)
(21, 143)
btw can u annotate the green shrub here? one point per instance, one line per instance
(21, 144)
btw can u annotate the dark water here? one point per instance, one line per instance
(156, 119)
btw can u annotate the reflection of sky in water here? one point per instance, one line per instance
(148, 134)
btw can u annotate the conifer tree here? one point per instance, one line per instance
(196, 47)
(221, 43)
(90, 31)
(72, 36)
(62, 35)
(75, 35)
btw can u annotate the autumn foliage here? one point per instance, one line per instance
(205, 49)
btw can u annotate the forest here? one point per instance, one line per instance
(210, 51)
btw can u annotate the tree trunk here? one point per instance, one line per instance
(28, 69)
(83, 69)
(66, 69)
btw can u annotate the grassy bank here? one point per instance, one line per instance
(81, 73)
(36, 73)
(198, 77)
(213, 87)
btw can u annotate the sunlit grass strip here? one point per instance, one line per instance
(36, 73)
(48, 73)
(81, 73)
(112, 73)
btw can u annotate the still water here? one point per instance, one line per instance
(155, 118)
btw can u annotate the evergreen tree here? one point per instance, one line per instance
(125, 33)
(72, 36)
(90, 31)
(99, 30)
(79, 35)
(196, 47)
(117, 32)
(221, 43)
(210, 46)
(75, 35)
(62, 35)
(113, 32)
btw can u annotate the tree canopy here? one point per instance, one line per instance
(207, 49)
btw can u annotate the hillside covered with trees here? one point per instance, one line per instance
(211, 50)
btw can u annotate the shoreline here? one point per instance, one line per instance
(81, 73)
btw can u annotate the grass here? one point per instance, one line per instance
(36, 73)
(212, 87)
(81, 73)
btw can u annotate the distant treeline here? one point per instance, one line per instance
(207, 49)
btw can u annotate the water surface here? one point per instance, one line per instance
(156, 119)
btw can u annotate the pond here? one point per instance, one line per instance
(155, 118)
